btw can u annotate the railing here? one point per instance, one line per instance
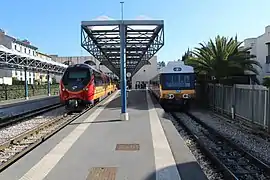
(245, 102)
(17, 91)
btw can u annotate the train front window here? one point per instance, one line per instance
(76, 75)
(177, 81)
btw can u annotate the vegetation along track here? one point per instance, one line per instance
(234, 162)
(16, 147)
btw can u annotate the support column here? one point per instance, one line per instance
(25, 84)
(124, 114)
(49, 85)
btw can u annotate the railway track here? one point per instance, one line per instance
(16, 147)
(232, 161)
(4, 122)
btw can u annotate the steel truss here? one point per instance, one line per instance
(143, 40)
(9, 60)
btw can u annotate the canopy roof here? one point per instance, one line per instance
(14, 59)
(102, 39)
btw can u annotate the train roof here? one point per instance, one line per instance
(176, 67)
(86, 66)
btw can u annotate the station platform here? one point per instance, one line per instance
(146, 147)
(20, 101)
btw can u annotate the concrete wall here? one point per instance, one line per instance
(146, 73)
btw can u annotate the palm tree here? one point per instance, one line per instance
(222, 58)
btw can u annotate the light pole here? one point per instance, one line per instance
(122, 10)
(122, 30)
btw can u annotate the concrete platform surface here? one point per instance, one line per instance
(146, 147)
(19, 101)
(20, 107)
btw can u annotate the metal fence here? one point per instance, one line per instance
(245, 102)
(17, 91)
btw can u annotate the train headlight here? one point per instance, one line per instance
(86, 89)
(186, 96)
(170, 96)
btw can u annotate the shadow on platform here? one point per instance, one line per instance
(136, 100)
(187, 171)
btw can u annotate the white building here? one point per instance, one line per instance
(24, 47)
(261, 49)
(21, 46)
(146, 73)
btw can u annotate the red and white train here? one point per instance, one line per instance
(83, 86)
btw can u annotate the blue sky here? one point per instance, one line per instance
(54, 25)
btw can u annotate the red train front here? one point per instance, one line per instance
(79, 85)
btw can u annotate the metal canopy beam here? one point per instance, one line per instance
(8, 60)
(143, 38)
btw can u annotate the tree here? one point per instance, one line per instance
(161, 64)
(54, 80)
(187, 55)
(266, 81)
(222, 58)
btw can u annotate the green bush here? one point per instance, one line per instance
(266, 81)
(17, 91)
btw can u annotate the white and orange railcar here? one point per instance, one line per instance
(174, 84)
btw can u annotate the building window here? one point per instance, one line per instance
(21, 73)
(15, 47)
(268, 68)
(25, 50)
(29, 51)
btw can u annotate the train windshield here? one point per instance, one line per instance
(76, 75)
(178, 81)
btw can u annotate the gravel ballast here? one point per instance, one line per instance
(202, 160)
(254, 144)
(233, 159)
(18, 128)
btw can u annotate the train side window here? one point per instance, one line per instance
(98, 79)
